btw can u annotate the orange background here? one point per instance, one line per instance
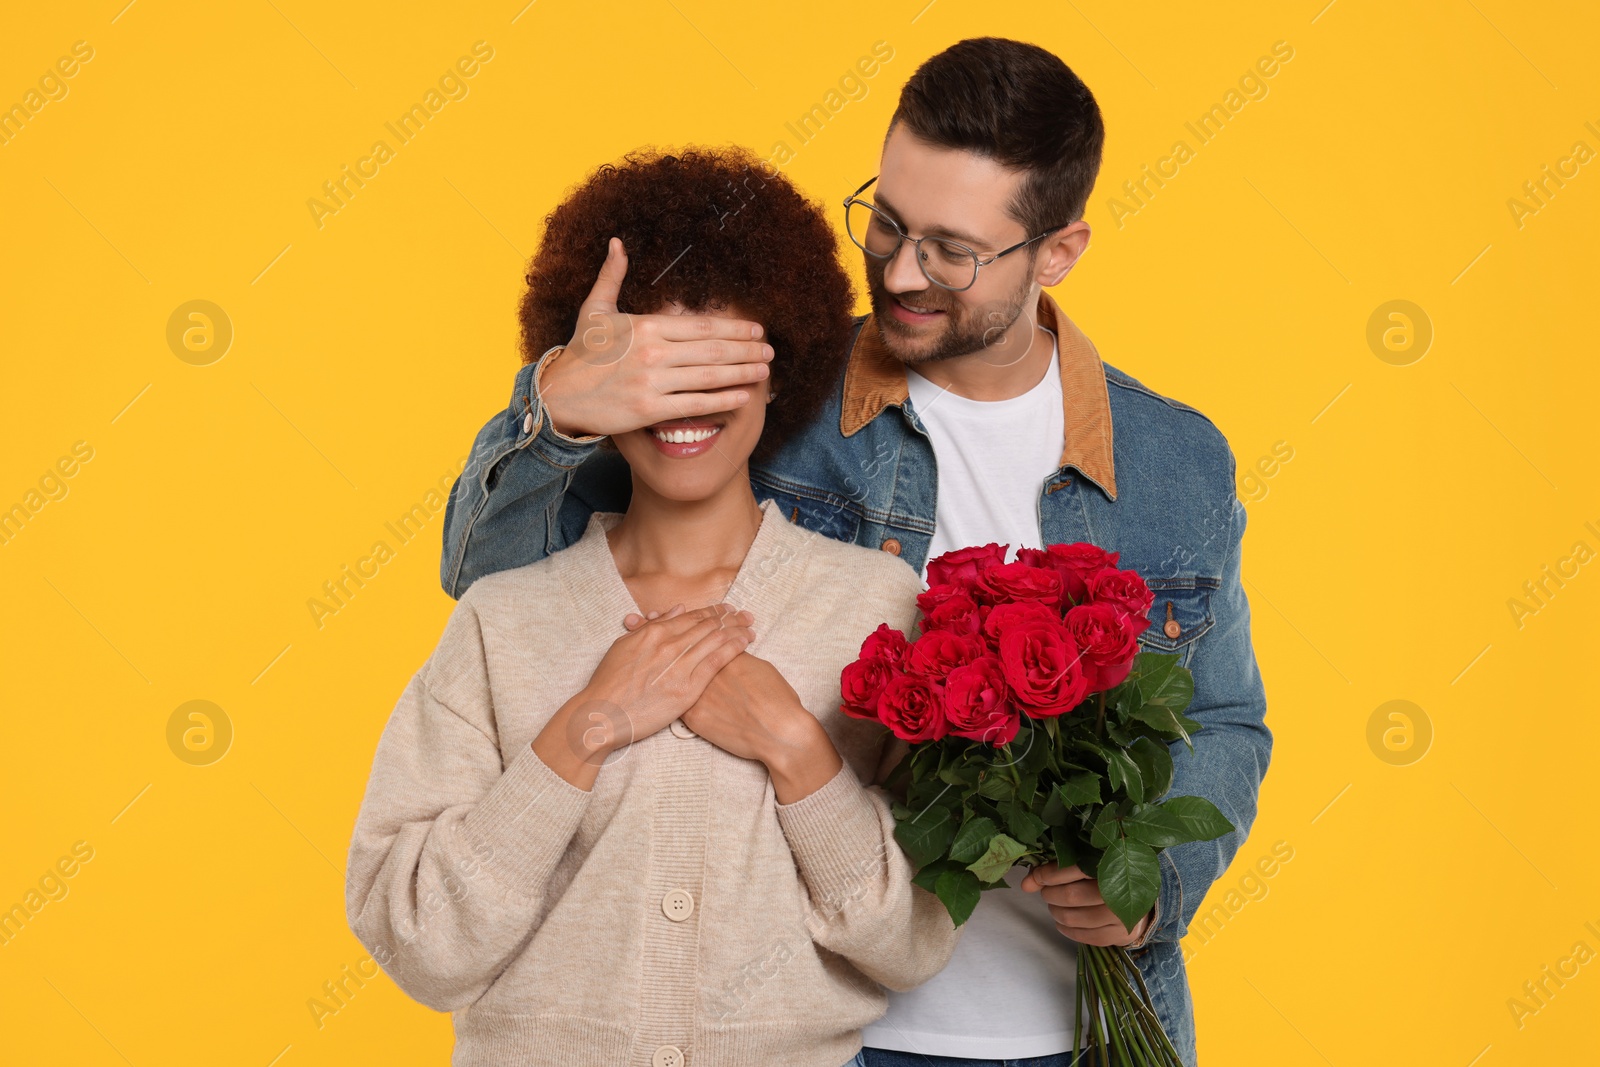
(1400, 493)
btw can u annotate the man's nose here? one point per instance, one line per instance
(902, 274)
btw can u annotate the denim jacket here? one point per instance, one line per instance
(1159, 490)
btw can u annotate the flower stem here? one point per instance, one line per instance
(1118, 1053)
(1132, 1033)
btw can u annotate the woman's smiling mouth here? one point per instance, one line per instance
(680, 438)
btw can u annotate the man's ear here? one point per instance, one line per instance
(1059, 252)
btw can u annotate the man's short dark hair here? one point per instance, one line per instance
(1019, 105)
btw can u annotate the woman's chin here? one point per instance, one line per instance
(684, 488)
(682, 481)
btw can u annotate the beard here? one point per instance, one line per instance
(966, 329)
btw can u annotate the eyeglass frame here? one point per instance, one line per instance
(916, 242)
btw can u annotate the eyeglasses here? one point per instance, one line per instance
(946, 263)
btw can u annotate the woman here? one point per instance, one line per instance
(651, 844)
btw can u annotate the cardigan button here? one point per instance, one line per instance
(891, 546)
(667, 1056)
(677, 905)
(680, 729)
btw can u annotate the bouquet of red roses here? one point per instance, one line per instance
(1039, 731)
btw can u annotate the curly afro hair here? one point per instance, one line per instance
(706, 228)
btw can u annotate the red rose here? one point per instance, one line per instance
(961, 566)
(1002, 617)
(959, 614)
(1012, 582)
(1077, 563)
(885, 643)
(976, 704)
(1108, 643)
(860, 685)
(935, 595)
(912, 708)
(937, 653)
(1125, 591)
(1041, 664)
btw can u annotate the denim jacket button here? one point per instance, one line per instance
(891, 546)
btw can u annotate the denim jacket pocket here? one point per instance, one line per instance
(1180, 615)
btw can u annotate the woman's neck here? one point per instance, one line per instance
(676, 551)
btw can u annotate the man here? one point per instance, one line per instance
(971, 410)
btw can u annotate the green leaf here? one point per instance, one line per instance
(1155, 826)
(1040, 747)
(1130, 880)
(1105, 829)
(1090, 745)
(1066, 849)
(1155, 766)
(1166, 683)
(996, 786)
(959, 890)
(1027, 789)
(994, 863)
(926, 835)
(1148, 661)
(1124, 774)
(972, 839)
(1055, 811)
(925, 792)
(1080, 790)
(928, 877)
(1089, 860)
(959, 774)
(1166, 721)
(1024, 824)
(1199, 817)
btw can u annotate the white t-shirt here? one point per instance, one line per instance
(1009, 991)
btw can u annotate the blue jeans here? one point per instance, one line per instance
(881, 1057)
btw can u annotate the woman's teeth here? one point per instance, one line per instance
(689, 436)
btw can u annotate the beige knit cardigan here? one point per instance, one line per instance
(676, 915)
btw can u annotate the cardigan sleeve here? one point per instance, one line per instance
(863, 904)
(454, 846)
